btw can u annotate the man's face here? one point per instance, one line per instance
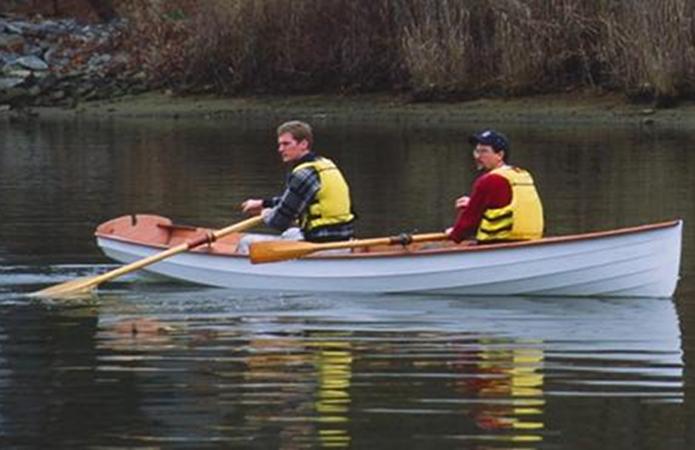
(290, 149)
(486, 158)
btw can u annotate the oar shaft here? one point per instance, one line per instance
(138, 264)
(402, 239)
(248, 223)
(273, 251)
(88, 283)
(241, 226)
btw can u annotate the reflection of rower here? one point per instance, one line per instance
(334, 365)
(510, 373)
(332, 360)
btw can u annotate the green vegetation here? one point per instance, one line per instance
(432, 49)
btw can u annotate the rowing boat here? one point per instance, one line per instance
(642, 261)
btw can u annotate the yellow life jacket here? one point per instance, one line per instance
(331, 206)
(522, 219)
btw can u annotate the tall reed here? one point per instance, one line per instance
(649, 47)
(442, 48)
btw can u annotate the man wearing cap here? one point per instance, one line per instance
(504, 204)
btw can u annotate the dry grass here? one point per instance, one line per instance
(649, 47)
(439, 47)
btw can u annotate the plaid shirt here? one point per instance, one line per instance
(300, 192)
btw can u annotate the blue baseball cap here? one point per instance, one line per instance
(496, 140)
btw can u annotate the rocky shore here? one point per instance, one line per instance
(62, 63)
(61, 67)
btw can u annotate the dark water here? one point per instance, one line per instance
(211, 368)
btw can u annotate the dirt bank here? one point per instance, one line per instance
(547, 109)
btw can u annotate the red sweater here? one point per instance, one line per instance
(489, 191)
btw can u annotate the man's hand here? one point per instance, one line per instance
(252, 206)
(462, 202)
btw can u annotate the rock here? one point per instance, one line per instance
(18, 73)
(99, 60)
(32, 62)
(17, 27)
(12, 94)
(10, 82)
(57, 95)
(58, 62)
(12, 43)
(84, 89)
(48, 82)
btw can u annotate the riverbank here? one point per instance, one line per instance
(543, 109)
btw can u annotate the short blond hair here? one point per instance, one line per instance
(300, 131)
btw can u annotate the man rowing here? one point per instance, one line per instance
(315, 205)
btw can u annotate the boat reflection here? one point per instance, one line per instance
(206, 367)
(503, 357)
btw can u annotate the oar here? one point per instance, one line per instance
(82, 285)
(273, 251)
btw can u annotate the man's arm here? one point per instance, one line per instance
(301, 189)
(270, 202)
(256, 205)
(489, 191)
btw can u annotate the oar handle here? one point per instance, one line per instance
(211, 237)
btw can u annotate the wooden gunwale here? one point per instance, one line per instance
(462, 248)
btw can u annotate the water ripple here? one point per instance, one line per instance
(192, 361)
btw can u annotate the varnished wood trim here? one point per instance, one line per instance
(461, 248)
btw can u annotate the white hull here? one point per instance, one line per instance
(639, 262)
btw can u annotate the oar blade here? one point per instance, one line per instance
(83, 286)
(273, 251)
(73, 288)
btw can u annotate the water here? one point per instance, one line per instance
(156, 364)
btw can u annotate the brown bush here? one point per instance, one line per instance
(271, 45)
(448, 48)
(649, 46)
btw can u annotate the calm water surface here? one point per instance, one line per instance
(151, 364)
